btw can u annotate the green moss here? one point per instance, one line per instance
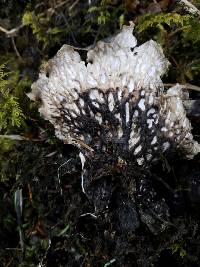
(159, 20)
(11, 114)
(178, 249)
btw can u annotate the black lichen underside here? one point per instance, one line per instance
(118, 126)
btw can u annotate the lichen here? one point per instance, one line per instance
(116, 101)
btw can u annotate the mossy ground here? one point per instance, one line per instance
(45, 174)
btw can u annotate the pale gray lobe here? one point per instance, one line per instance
(116, 102)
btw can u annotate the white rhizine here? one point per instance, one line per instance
(82, 158)
(117, 63)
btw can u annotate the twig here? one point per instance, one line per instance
(61, 4)
(73, 5)
(81, 48)
(15, 48)
(14, 137)
(191, 8)
(9, 263)
(184, 86)
(11, 33)
(52, 10)
(17, 137)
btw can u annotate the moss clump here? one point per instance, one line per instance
(11, 114)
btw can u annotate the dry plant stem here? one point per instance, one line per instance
(52, 10)
(9, 263)
(61, 4)
(184, 86)
(190, 6)
(73, 5)
(11, 33)
(80, 48)
(15, 48)
(3, 30)
(14, 137)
